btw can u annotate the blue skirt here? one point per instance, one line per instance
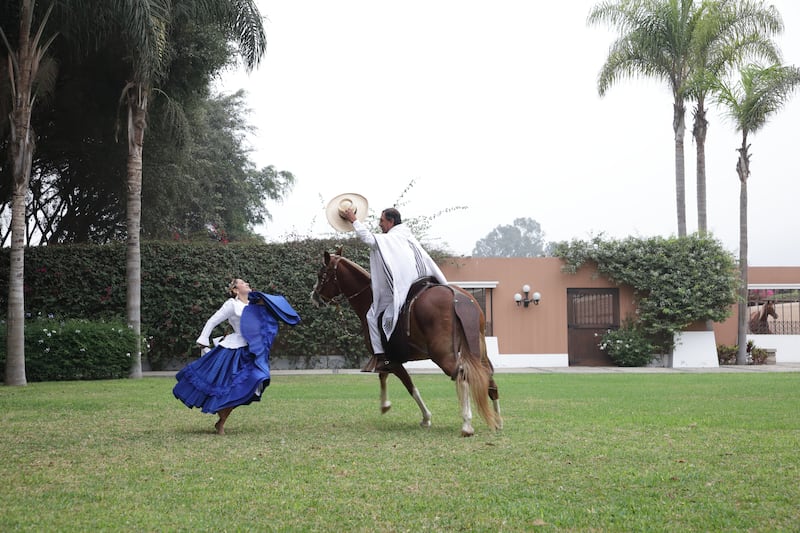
(223, 377)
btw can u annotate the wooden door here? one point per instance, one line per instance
(590, 313)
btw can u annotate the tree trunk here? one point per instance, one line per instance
(679, 127)
(15, 342)
(743, 169)
(699, 132)
(21, 152)
(137, 122)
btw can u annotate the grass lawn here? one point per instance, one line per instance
(579, 452)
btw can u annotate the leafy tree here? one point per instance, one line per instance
(213, 183)
(522, 239)
(760, 93)
(194, 176)
(78, 184)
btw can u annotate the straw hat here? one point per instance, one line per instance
(342, 203)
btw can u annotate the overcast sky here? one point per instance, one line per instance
(493, 105)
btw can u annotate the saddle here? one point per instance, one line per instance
(398, 347)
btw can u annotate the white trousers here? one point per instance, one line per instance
(374, 330)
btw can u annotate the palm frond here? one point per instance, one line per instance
(240, 19)
(759, 93)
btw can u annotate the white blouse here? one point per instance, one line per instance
(231, 311)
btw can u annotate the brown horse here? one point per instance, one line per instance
(758, 320)
(433, 331)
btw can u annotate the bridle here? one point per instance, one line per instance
(331, 272)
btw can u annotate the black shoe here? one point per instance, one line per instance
(382, 364)
(377, 364)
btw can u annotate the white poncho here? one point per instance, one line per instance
(396, 260)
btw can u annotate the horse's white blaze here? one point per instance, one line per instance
(426, 415)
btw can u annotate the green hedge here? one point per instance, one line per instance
(183, 283)
(75, 349)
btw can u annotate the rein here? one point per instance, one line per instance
(334, 269)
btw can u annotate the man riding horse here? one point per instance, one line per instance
(396, 261)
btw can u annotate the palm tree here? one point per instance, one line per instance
(729, 31)
(655, 40)
(760, 93)
(145, 26)
(28, 68)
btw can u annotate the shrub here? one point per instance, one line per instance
(628, 346)
(755, 356)
(727, 354)
(76, 349)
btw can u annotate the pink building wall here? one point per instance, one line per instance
(542, 329)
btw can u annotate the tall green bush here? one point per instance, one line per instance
(676, 281)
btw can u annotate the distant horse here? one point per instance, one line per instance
(435, 328)
(758, 320)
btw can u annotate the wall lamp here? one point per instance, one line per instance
(535, 297)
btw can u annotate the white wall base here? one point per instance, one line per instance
(695, 349)
(531, 360)
(787, 347)
(516, 360)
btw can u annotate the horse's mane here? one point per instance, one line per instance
(355, 265)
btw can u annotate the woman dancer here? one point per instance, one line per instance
(236, 371)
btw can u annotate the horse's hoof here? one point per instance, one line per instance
(425, 424)
(385, 408)
(467, 433)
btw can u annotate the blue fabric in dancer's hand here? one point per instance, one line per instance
(260, 323)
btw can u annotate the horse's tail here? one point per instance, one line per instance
(477, 370)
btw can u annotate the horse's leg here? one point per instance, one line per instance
(462, 388)
(402, 374)
(385, 403)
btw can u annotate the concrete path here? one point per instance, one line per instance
(729, 369)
